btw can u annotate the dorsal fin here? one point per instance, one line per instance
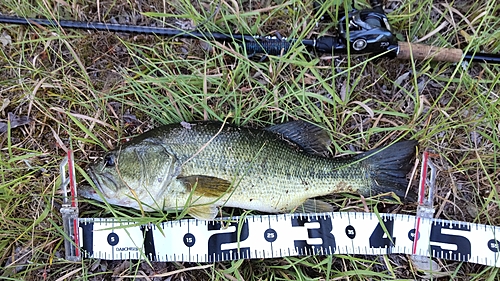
(309, 137)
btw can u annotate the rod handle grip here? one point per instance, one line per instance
(422, 52)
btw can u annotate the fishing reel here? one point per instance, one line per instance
(363, 31)
(367, 31)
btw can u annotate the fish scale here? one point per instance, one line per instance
(212, 164)
(285, 172)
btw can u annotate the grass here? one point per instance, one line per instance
(90, 90)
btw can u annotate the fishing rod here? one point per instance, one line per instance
(365, 31)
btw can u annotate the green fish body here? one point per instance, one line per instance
(201, 166)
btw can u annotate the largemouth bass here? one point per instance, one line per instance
(201, 166)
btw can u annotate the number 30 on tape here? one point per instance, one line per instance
(270, 236)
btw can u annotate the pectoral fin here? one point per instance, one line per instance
(203, 212)
(206, 186)
(314, 206)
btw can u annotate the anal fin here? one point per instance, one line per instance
(314, 206)
(203, 212)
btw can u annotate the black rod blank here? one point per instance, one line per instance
(160, 31)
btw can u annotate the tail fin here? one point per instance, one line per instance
(389, 167)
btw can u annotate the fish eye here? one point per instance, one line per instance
(109, 160)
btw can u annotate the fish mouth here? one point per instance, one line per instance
(106, 186)
(90, 192)
(87, 191)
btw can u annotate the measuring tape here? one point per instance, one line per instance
(273, 236)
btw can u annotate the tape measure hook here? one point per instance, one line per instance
(69, 209)
(428, 175)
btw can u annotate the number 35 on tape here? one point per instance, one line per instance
(270, 236)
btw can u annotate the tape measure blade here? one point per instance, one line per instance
(493, 245)
(101, 234)
(125, 240)
(485, 244)
(261, 238)
(364, 225)
(345, 233)
(289, 235)
(460, 241)
(403, 231)
(286, 235)
(176, 241)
